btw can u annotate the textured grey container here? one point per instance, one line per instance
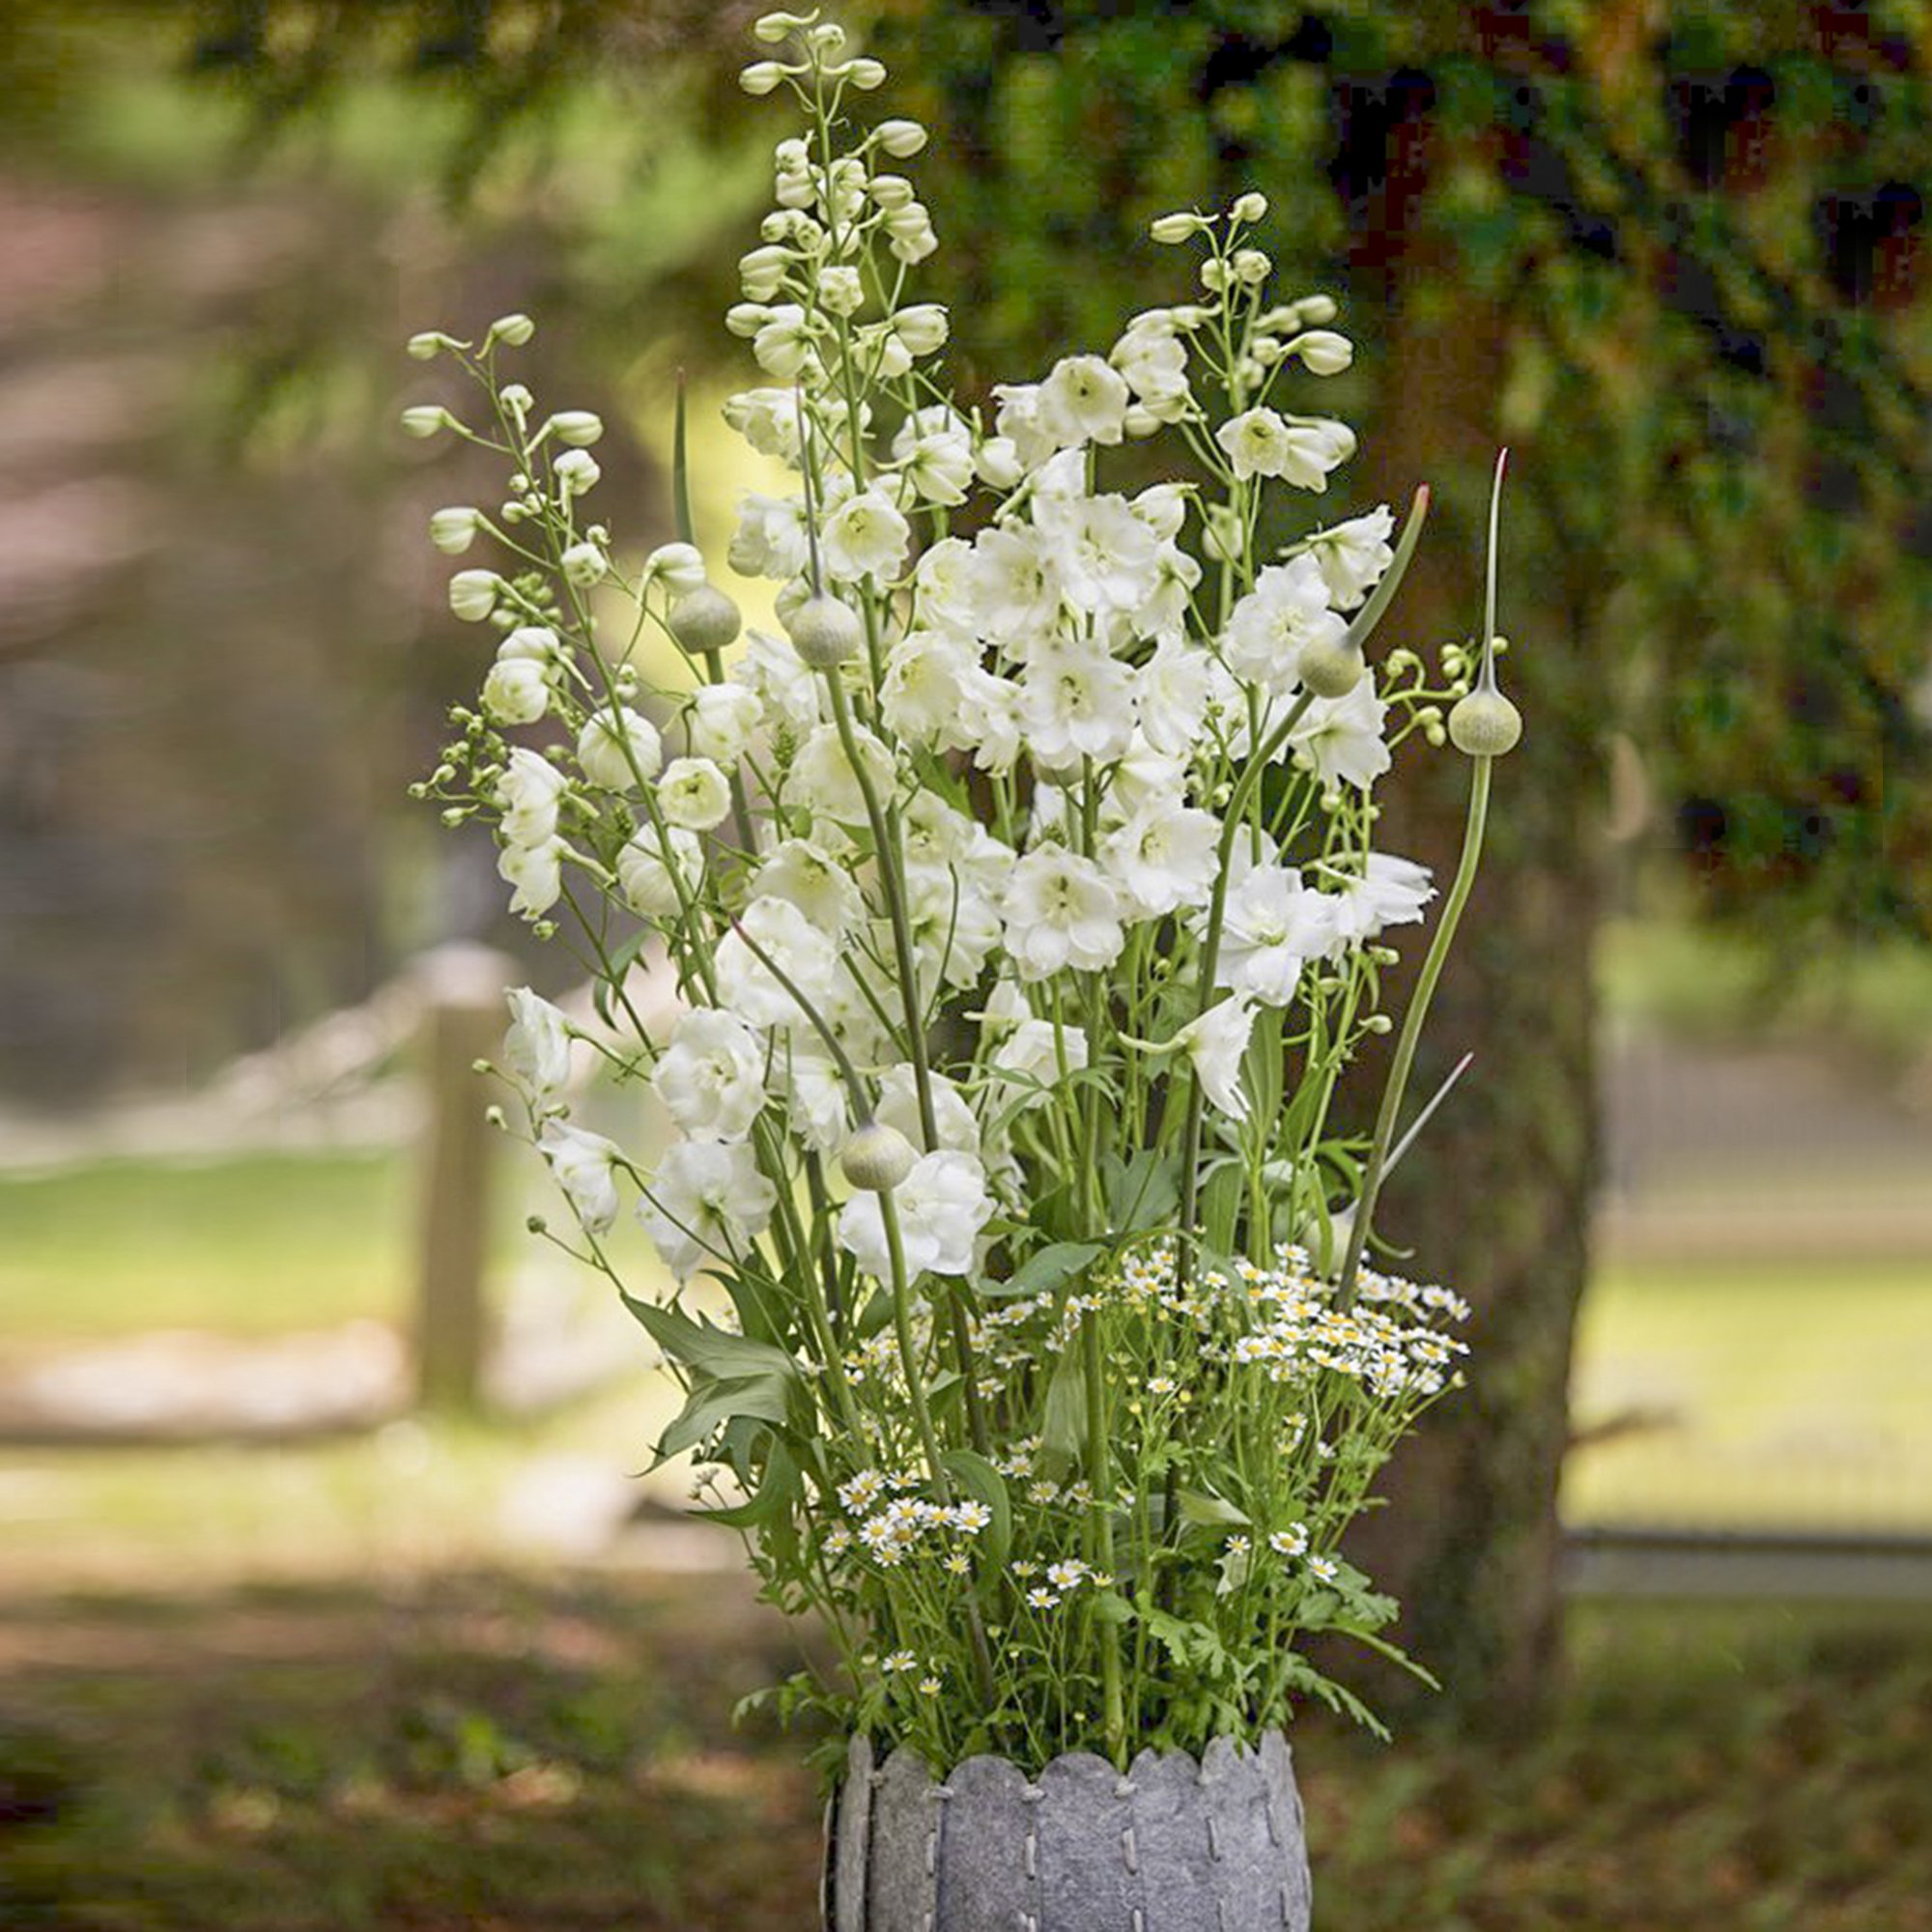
(1174, 1846)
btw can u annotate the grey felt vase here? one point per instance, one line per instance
(1177, 1845)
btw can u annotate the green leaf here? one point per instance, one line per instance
(680, 473)
(718, 1401)
(1221, 1207)
(1210, 1511)
(1142, 1193)
(1053, 1265)
(708, 1350)
(1064, 1427)
(985, 1484)
(776, 1492)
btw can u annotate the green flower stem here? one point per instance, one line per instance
(922, 1415)
(1099, 1470)
(1412, 1028)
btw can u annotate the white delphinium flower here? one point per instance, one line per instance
(678, 566)
(694, 794)
(817, 1102)
(1352, 556)
(1164, 857)
(618, 750)
(1018, 422)
(864, 537)
(943, 581)
(711, 1078)
(934, 451)
(1176, 685)
(1014, 588)
(528, 791)
(1061, 912)
(823, 777)
(1033, 1057)
(956, 924)
(1216, 1042)
(1340, 739)
(782, 681)
(770, 540)
(1273, 926)
(1105, 557)
(807, 956)
(706, 1200)
(1083, 400)
(767, 419)
(1387, 892)
(720, 720)
(928, 675)
(815, 882)
(536, 1048)
(1145, 781)
(1153, 360)
(536, 872)
(1268, 629)
(584, 564)
(899, 1107)
(942, 1204)
(1300, 450)
(586, 1166)
(643, 870)
(1076, 701)
(781, 340)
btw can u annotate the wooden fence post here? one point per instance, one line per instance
(463, 1017)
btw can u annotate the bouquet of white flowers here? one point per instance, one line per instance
(1023, 904)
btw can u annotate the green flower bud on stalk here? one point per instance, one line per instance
(472, 594)
(453, 530)
(825, 631)
(877, 1158)
(761, 77)
(704, 620)
(514, 329)
(1331, 667)
(424, 419)
(580, 428)
(1485, 725)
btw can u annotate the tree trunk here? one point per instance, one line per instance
(1495, 1198)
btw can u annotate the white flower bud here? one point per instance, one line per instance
(840, 290)
(1251, 266)
(579, 428)
(585, 564)
(1250, 207)
(900, 139)
(1485, 725)
(746, 318)
(427, 346)
(891, 191)
(516, 692)
(825, 633)
(576, 471)
(1315, 311)
(772, 28)
(515, 330)
(877, 1158)
(517, 399)
(865, 73)
(426, 419)
(678, 565)
(694, 794)
(763, 271)
(998, 462)
(1171, 228)
(1214, 274)
(453, 530)
(1330, 666)
(472, 594)
(704, 620)
(762, 77)
(1140, 421)
(923, 327)
(1323, 351)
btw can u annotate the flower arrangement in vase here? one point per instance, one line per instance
(1021, 896)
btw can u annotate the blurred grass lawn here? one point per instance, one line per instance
(555, 1755)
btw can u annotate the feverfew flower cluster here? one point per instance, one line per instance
(1021, 896)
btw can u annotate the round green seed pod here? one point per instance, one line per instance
(877, 1158)
(704, 620)
(1485, 725)
(825, 633)
(1331, 667)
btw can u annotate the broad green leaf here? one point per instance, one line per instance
(716, 1401)
(1198, 1507)
(708, 1350)
(983, 1484)
(1047, 1269)
(1142, 1193)
(1064, 1427)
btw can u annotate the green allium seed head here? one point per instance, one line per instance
(1331, 669)
(704, 620)
(1485, 725)
(825, 633)
(877, 1158)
